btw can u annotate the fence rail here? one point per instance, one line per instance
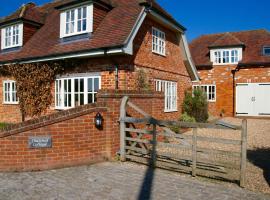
(144, 145)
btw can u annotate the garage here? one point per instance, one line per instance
(253, 99)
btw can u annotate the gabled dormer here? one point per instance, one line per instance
(226, 50)
(19, 27)
(79, 19)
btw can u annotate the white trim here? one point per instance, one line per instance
(20, 36)
(60, 95)
(158, 47)
(221, 50)
(207, 92)
(89, 21)
(128, 48)
(10, 93)
(170, 94)
(264, 48)
(189, 57)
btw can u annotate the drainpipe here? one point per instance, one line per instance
(116, 77)
(234, 88)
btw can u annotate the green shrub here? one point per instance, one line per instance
(186, 118)
(196, 105)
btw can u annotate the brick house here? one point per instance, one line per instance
(112, 40)
(234, 69)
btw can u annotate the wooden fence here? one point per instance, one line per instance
(148, 140)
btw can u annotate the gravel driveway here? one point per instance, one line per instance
(258, 153)
(115, 181)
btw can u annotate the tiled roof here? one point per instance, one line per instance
(253, 41)
(27, 12)
(112, 31)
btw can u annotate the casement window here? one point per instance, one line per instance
(10, 92)
(170, 91)
(210, 91)
(158, 42)
(12, 36)
(226, 56)
(76, 21)
(266, 51)
(76, 91)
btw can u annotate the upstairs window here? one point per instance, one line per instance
(226, 56)
(12, 36)
(10, 92)
(76, 91)
(266, 51)
(76, 21)
(158, 42)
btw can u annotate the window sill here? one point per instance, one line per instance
(170, 111)
(10, 103)
(159, 54)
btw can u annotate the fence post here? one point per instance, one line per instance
(243, 153)
(122, 129)
(194, 151)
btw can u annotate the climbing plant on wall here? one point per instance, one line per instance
(34, 85)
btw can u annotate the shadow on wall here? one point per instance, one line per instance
(261, 158)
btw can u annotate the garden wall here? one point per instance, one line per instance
(74, 138)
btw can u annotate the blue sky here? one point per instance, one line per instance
(199, 16)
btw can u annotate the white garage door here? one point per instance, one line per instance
(253, 99)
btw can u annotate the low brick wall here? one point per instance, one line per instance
(75, 139)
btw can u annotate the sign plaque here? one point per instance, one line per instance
(40, 142)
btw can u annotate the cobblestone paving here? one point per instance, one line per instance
(115, 181)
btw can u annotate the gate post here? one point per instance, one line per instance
(122, 128)
(194, 151)
(243, 153)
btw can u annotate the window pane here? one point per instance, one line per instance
(96, 84)
(90, 80)
(76, 88)
(90, 98)
(81, 85)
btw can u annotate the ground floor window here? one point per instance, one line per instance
(170, 91)
(10, 92)
(76, 91)
(210, 91)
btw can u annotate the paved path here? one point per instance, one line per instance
(114, 181)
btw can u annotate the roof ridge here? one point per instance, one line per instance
(221, 33)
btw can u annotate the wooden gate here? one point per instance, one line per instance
(151, 141)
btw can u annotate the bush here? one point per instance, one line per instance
(196, 105)
(186, 118)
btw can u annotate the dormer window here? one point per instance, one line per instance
(76, 21)
(12, 36)
(225, 56)
(266, 51)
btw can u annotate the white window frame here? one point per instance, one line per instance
(170, 92)
(12, 92)
(60, 93)
(264, 51)
(233, 55)
(12, 33)
(158, 41)
(208, 91)
(89, 21)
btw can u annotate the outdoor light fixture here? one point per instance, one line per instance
(99, 121)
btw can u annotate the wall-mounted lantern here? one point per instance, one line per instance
(99, 121)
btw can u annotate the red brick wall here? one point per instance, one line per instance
(170, 67)
(222, 77)
(75, 139)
